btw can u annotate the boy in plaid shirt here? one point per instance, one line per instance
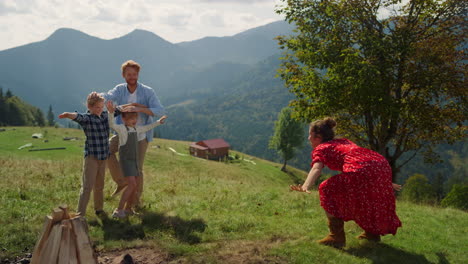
(95, 125)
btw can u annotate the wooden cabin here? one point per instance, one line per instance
(213, 149)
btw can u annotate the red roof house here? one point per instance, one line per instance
(213, 149)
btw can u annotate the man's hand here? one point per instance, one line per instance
(131, 108)
(161, 120)
(298, 188)
(139, 105)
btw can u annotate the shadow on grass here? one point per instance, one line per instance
(123, 229)
(297, 179)
(183, 229)
(385, 254)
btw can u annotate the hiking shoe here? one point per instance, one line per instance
(99, 212)
(118, 214)
(130, 212)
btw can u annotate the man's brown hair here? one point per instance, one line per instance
(132, 64)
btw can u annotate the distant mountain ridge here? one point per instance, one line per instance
(69, 63)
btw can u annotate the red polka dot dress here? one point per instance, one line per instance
(363, 192)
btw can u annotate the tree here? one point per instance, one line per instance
(50, 117)
(396, 85)
(418, 189)
(438, 186)
(288, 136)
(39, 119)
(8, 94)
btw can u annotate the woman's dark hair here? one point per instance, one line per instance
(324, 128)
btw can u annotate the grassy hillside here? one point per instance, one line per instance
(200, 211)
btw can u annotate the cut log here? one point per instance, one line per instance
(42, 240)
(50, 251)
(72, 252)
(57, 215)
(83, 242)
(64, 253)
(66, 213)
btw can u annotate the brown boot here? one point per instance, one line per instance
(369, 236)
(337, 237)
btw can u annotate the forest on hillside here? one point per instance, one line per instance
(16, 112)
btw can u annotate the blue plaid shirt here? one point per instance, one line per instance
(96, 129)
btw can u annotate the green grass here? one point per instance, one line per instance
(207, 212)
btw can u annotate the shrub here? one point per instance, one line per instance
(418, 189)
(457, 197)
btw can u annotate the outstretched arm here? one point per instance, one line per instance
(312, 177)
(141, 129)
(110, 106)
(396, 187)
(68, 115)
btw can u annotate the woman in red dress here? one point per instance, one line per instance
(363, 192)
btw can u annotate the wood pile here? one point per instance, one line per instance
(64, 239)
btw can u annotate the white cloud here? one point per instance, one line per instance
(11, 6)
(177, 20)
(213, 19)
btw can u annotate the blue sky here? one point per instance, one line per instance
(26, 21)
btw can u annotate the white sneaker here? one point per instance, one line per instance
(118, 214)
(131, 212)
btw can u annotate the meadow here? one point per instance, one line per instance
(199, 211)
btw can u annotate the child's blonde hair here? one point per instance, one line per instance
(131, 64)
(94, 98)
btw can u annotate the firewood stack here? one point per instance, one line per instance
(64, 240)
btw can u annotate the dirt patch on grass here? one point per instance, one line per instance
(247, 252)
(226, 252)
(143, 255)
(240, 251)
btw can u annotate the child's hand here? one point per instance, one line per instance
(110, 106)
(64, 115)
(298, 188)
(161, 120)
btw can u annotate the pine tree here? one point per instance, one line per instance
(2, 108)
(50, 117)
(39, 118)
(8, 94)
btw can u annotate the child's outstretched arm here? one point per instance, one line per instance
(110, 106)
(68, 115)
(141, 129)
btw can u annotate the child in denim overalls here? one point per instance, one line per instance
(128, 154)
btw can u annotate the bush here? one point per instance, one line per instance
(418, 189)
(457, 197)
